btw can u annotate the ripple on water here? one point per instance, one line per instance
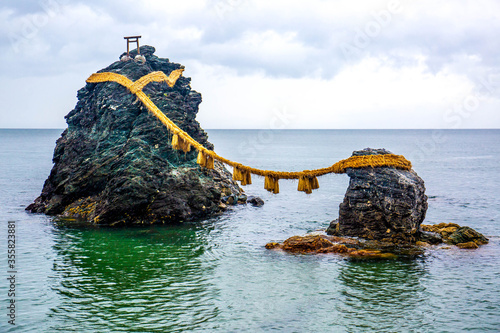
(217, 277)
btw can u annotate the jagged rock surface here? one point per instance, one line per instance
(382, 203)
(114, 164)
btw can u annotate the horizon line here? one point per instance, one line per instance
(290, 129)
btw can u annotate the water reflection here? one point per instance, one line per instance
(130, 279)
(382, 296)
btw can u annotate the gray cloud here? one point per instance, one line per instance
(439, 39)
(275, 39)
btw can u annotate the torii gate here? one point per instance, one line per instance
(132, 39)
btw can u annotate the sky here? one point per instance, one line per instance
(271, 64)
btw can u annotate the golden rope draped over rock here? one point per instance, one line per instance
(308, 180)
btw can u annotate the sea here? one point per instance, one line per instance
(217, 276)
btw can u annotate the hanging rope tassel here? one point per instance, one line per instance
(202, 159)
(175, 142)
(314, 183)
(186, 147)
(178, 143)
(210, 162)
(247, 178)
(237, 174)
(242, 174)
(205, 160)
(271, 184)
(307, 183)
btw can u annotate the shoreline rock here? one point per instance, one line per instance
(354, 247)
(320, 242)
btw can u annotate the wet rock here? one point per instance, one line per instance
(382, 203)
(230, 199)
(242, 199)
(333, 228)
(468, 245)
(371, 254)
(305, 243)
(466, 235)
(114, 164)
(445, 232)
(430, 237)
(451, 233)
(255, 201)
(317, 244)
(272, 245)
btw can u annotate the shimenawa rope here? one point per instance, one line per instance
(308, 180)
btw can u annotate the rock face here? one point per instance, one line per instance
(382, 203)
(114, 164)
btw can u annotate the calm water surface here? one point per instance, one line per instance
(216, 276)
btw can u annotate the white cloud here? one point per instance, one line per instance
(413, 60)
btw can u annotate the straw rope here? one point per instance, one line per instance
(308, 180)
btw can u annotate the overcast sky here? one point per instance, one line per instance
(267, 64)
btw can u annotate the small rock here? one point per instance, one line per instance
(305, 243)
(429, 228)
(371, 151)
(468, 245)
(465, 235)
(333, 228)
(371, 254)
(242, 198)
(230, 200)
(430, 237)
(272, 245)
(423, 244)
(314, 244)
(335, 248)
(445, 232)
(446, 225)
(255, 201)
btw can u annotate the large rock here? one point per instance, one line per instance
(382, 203)
(115, 164)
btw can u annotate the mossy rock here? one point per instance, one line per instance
(465, 235)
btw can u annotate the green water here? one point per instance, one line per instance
(217, 276)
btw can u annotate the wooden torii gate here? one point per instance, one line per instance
(132, 39)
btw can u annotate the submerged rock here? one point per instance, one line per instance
(115, 163)
(316, 244)
(255, 201)
(382, 203)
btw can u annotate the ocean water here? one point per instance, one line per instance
(216, 276)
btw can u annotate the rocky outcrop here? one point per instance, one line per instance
(453, 234)
(316, 244)
(382, 203)
(381, 217)
(114, 164)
